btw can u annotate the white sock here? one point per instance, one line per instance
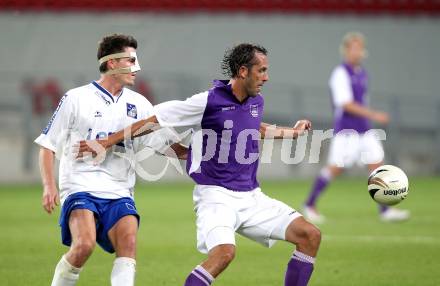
(298, 255)
(325, 173)
(65, 274)
(123, 272)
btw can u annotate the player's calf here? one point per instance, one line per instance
(307, 239)
(219, 258)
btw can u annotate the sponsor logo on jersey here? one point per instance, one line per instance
(228, 108)
(131, 110)
(79, 203)
(98, 113)
(254, 110)
(103, 97)
(292, 212)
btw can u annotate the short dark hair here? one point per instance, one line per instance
(112, 44)
(238, 56)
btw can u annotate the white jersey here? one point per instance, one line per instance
(91, 112)
(340, 87)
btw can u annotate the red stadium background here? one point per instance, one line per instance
(228, 6)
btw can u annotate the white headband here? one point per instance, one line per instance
(134, 68)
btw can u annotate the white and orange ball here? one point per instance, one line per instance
(388, 185)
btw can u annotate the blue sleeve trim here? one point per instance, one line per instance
(49, 125)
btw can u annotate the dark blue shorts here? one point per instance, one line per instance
(107, 213)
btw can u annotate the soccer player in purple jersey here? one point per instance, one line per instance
(223, 162)
(354, 141)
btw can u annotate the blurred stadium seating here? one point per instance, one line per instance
(49, 47)
(229, 6)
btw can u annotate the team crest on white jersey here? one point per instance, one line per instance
(254, 110)
(131, 110)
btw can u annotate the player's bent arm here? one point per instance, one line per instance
(137, 129)
(359, 110)
(50, 197)
(268, 131)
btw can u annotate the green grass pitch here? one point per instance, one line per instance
(357, 249)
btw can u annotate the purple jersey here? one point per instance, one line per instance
(227, 151)
(349, 84)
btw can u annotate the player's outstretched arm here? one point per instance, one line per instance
(50, 197)
(269, 131)
(97, 147)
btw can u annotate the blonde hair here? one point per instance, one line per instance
(348, 38)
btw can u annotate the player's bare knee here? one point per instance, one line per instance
(313, 237)
(308, 239)
(130, 241)
(83, 248)
(126, 245)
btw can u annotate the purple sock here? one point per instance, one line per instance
(199, 277)
(299, 270)
(320, 183)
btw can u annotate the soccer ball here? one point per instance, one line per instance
(388, 185)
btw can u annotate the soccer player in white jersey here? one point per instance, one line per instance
(354, 141)
(97, 199)
(223, 162)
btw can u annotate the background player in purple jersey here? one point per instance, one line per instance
(223, 162)
(354, 140)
